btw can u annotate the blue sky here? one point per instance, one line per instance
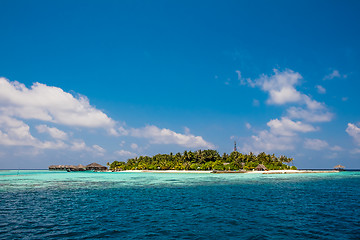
(86, 81)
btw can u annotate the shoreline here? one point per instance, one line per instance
(233, 172)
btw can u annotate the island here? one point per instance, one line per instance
(206, 160)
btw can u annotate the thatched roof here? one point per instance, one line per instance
(72, 167)
(339, 166)
(261, 167)
(81, 166)
(96, 165)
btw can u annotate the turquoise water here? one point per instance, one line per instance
(83, 205)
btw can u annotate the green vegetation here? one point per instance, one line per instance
(204, 160)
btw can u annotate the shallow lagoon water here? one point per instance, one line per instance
(80, 205)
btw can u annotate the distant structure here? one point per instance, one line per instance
(96, 167)
(261, 167)
(339, 167)
(80, 167)
(235, 149)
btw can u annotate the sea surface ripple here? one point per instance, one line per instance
(86, 205)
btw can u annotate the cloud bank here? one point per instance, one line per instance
(50, 104)
(301, 111)
(166, 136)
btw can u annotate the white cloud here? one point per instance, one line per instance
(320, 89)
(334, 74)
(287, 127)
(248, 125)
(52, 131)
(50, 104)
(99, 150)
(310, 115)
(281, 89)
(167, 136)
(124, 153)
(315, 144)
(354, 132)
(284, 95)
(122, 131)
(283, 133)
(336, 148)
(78, 145)
(267, 141)
(281, 136)
(14, 132)
(134, 146)
(280, 86)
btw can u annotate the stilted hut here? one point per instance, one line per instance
(339, 167)
(71, 168)
(96, 167)
(53, 167)
(57, 168)
(261, 167)
(81, 167)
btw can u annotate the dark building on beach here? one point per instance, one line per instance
(261, 167)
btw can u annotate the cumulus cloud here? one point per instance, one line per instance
(354, 132)
(14, 132)
(52, 131)
(315, 144)
(78, 145)
(268, 141)
(50, 104)
(287, 127)
(302, 110)
(124, 153)
(280, 86)
(281, 136)
(320, 89)
(166, 136)
(281, 89)
(310, 115)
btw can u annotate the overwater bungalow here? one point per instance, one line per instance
(261, 167)
(96, 167)
(81, 167)
(339, 167)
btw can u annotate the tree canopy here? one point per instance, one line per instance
(204, 160)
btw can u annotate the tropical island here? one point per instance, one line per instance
(206, 160)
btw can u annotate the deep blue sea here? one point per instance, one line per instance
(87, 205)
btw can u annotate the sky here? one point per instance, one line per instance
(98, 81)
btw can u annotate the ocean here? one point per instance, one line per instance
(39, 204)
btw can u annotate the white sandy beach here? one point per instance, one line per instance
(248, 172)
